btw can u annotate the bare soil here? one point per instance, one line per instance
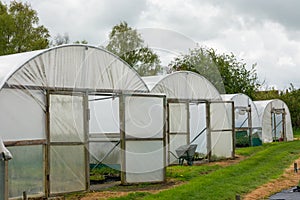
(285, 181)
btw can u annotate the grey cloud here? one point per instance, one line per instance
(284, 12)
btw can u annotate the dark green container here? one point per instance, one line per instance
(256, 142)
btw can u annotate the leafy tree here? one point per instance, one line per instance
(128, 44)
(81, 42)
(60, 39)
(225, 72)
(20, 30)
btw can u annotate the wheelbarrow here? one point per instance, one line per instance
(186, 152)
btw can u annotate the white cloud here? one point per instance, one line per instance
(263, 32)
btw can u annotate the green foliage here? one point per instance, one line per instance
(99, 173)
(20, 30)
(224, 71)
(242, 139)
(128, 44)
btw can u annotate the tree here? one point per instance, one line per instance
(128, 44)
(81, 42)
(225, 72)
(20, 30)
(60, 39)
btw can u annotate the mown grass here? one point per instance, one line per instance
(264, 163)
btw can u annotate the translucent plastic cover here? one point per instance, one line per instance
(100, 151)
(198, 127)
(22, 116)
(66, 118)
(183, 85)
(176, 140)
(71, 66)
(266, 119)
(67, 169)
(26, 171)
(221, 116)
(144, 161)
(222, 144)
(144, 117)
(178, 118)
(242, 101)
(104, 114)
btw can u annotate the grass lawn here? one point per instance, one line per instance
(215, 182)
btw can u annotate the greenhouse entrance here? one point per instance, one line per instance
(278, 124)
(127, 137)
(67, 136)
(200, 122)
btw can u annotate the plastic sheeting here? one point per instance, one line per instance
(25, 81)
(18, 107)
(70, 66)
(26, 171)
(221, 129)
(183, 85)
(186, 86)
(144, 135)
(267, 120)
(242, 101)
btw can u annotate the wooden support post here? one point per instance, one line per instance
(47, 146)
(24, 195)
(250, 125)
(208, 131)
(86, 118)
(233, 129)
(122, 138)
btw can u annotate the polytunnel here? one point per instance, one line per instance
(196, 114)
(48, 103)
(275, 120)
(247, 124)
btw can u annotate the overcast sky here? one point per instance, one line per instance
(266, 32)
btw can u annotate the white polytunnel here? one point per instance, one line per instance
(247, 123)
(196, 114)
(57, 106)
(275, 120)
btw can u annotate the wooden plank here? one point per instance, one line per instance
(25, 142)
